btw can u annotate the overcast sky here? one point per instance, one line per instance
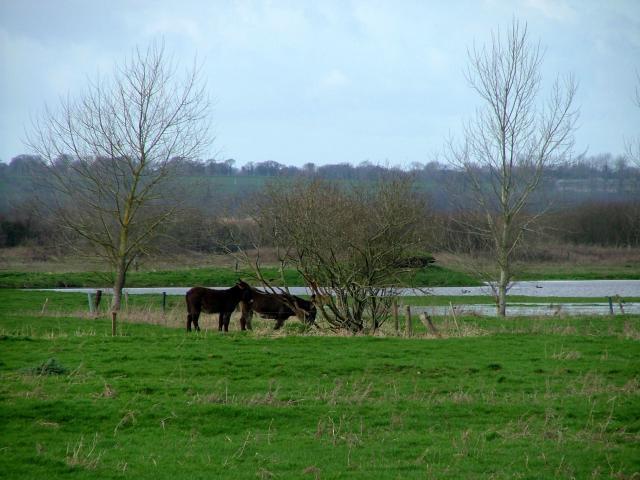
(324, 81)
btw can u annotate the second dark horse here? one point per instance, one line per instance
(277, 307)
(224, 302)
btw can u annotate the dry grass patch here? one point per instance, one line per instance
(83, 455)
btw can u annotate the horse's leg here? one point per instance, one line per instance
(227, 319)
(244, 310)
(246, 315)
(279, 323)
(188, 322)
(245, 319)
(196, 316)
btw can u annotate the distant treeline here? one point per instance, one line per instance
(217, 183)
(583, 167)
(593, 199)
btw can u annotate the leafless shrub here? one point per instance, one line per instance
(347, 243)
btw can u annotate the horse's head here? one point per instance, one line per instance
(310, 315)
(245, 290)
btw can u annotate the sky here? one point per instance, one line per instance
(324, 81)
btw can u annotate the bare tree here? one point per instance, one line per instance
(109, 149)
(350, 244)
(510, 142)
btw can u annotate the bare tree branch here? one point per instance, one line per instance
(347, 243)
(116, 140)
(510, 142)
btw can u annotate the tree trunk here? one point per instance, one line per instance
(502, 291)
(121, 262)
(118, 284)
(504, 264)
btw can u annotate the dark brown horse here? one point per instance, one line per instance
(274, 306)
(224, 302)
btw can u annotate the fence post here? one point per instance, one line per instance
(90, 300)
(408, 326)
(164, 301)
(426, 320)
(455, 320)
(620, 301)
(113, 323)
(396, 321)
(97, 299)
(610, 306)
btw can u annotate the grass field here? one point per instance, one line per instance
(516, 398)
(30, 267)
(434, 276)
(212, 276)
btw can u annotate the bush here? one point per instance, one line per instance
(48, 367)
(418, 260)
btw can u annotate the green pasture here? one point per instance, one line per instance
(628, 271)
(516, 398)
(212, 276)
(433, 276)
(235, 184)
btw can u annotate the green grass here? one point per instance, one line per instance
(218, 276)
(516, 398)
(214, 276)
(621, 273)
(599, 270)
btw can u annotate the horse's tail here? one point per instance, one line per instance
(188, 298)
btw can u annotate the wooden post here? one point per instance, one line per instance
(610, 306)
(396, 321)
(455, 320)
(426, 320)
(113, 323)
(90, 300)
(164, 301)
(97, 300)
(619, 300)
(408, 325)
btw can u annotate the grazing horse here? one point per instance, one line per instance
(224, 302)
(275, 306)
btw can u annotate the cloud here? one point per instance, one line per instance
(334, 79)
(553, 9)
(171, 25)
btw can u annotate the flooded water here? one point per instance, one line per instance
(556, 288)
(547, 288)
(596, 289)
(534, 309)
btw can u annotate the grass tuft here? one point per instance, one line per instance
(50, 366)
(83, 455)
